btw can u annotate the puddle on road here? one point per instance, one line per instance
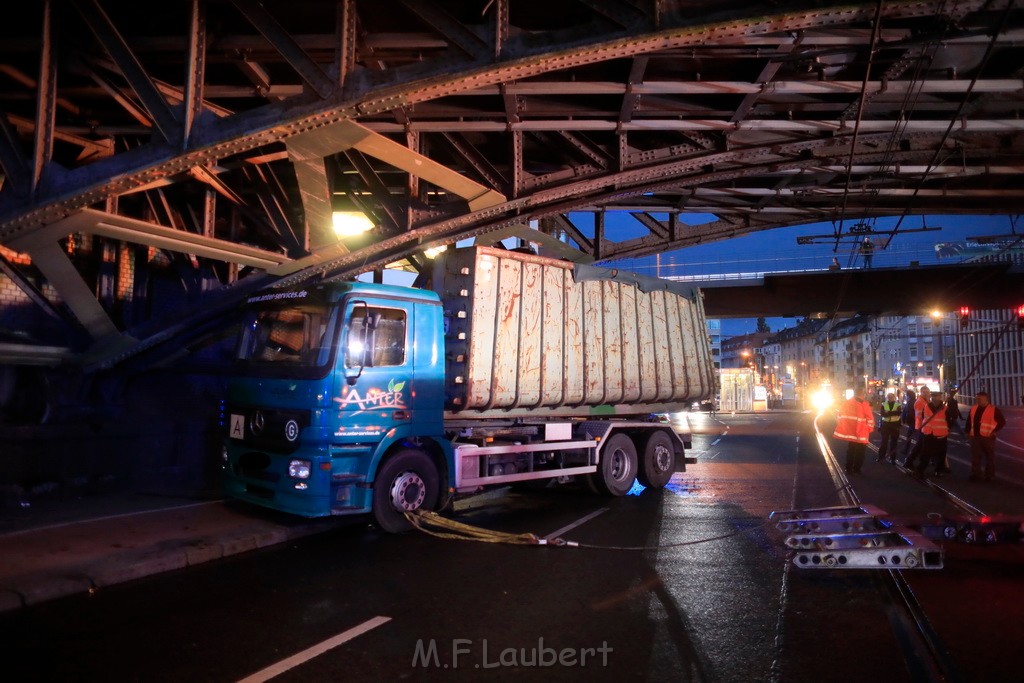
(682, 487)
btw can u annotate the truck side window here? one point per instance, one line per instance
(382, 345)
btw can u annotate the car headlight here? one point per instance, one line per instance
(821, 400)
(299, 469)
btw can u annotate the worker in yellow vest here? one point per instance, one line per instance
(889, 412)
(983, 424)
(854, 426)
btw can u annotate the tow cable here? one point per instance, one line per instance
(434, 524)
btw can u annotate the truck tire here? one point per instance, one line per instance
(617, 470)
(659, 461)
(406, 482)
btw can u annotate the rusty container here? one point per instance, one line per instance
(524, 338)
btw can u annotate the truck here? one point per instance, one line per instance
(350, 397)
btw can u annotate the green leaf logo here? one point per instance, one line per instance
(398, 387)
(391, 385)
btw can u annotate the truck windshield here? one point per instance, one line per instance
(295, 340)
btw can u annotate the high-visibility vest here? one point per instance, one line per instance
(855, 421)
(988, 420)
(888, 408)
(919, 405)
(935, 423)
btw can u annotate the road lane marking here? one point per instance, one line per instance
(715, 442)
(579, 522)
(295, 660)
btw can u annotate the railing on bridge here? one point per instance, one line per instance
(795, 261)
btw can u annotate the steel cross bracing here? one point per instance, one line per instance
(215, 138)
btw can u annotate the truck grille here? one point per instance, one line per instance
(253, 465)
(260, 491)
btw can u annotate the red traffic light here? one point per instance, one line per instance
(965, 315)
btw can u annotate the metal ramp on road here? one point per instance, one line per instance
(854, 537)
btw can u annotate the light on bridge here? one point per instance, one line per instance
(350, 223)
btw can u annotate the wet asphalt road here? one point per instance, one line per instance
(711, 599)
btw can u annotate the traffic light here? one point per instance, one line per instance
(1020, 317)
(965, 316)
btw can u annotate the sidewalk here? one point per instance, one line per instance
(53, 549)
(70, 547)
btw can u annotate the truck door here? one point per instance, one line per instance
(376, 381)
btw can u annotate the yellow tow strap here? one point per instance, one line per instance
(442, 527)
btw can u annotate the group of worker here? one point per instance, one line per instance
(928, 420)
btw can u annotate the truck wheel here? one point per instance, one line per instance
(617, 469)
(659, 461)
(407, 481)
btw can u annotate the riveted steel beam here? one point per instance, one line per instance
(52, 261)
(345, 58)
(196, 70)
(656, 227)
(103, 28)
(56, 267)
(477, 161)
(457, 34)
(764, 78)
(250, 130)
(46, 100)
(706, 125)
(287, 46)
(17, 173)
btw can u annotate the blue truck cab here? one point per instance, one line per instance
(330, 382)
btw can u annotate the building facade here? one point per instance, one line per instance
(990, 357)
(714, 327)
(915, 350)
(743, 351)
(844, 353)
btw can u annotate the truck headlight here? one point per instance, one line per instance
(299, 469)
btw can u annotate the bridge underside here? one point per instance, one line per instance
(895, 291)
(160, 160)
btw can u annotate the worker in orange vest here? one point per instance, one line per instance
(934, 433)
(854, 426)
(923, 397)
(984, 422)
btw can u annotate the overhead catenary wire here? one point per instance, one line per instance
(953, 119)
(876, 30)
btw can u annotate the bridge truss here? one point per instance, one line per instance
(215, 139)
